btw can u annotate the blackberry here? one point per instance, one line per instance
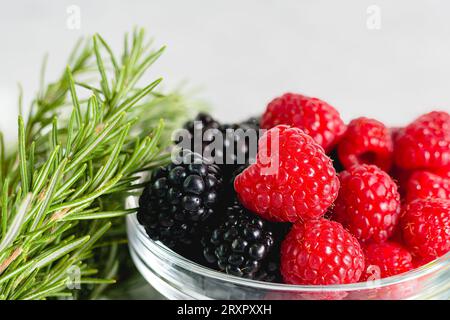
(235, 149)
(198, 127)
(242, 245)
(251, 123)
(178, 199)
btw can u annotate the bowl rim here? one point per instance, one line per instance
(160, 249)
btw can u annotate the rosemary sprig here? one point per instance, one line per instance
(78, 151)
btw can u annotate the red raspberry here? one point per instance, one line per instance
(425, 143)
(385, 260)
(366, 141)
(320, 252)
(423, 184)
(443, 172)
(425, 225)
(292, 178)
(368, 203)
(316, 117)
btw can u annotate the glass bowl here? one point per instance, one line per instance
(176, 277)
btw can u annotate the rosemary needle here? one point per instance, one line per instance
(61, 190)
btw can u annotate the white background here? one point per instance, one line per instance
(243, 53)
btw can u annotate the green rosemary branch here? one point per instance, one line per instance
(78, 151)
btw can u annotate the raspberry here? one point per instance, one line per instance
(309, 295)
(298, 180)
(316, 117)
(321, 252)
(385, 260)
(368, 203)
(425, 225)
(425, 143)
(178, 198)
(366, 141)
(423, 184)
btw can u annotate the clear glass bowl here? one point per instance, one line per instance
(178, 278)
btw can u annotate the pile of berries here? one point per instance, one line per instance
(320, 203)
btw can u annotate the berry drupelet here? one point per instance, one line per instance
(425, 227)
(293, 179)
(321, 252)
(178, 198)
(315, 117)
(241, 245)
(366, 141)
(424, 184)
(368, 204)
(385, 260)
(425, 143)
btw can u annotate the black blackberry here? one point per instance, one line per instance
(236, 139)
(230, 195)
(179, 198)
(240, 245)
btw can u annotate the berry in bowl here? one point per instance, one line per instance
(316, 209)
